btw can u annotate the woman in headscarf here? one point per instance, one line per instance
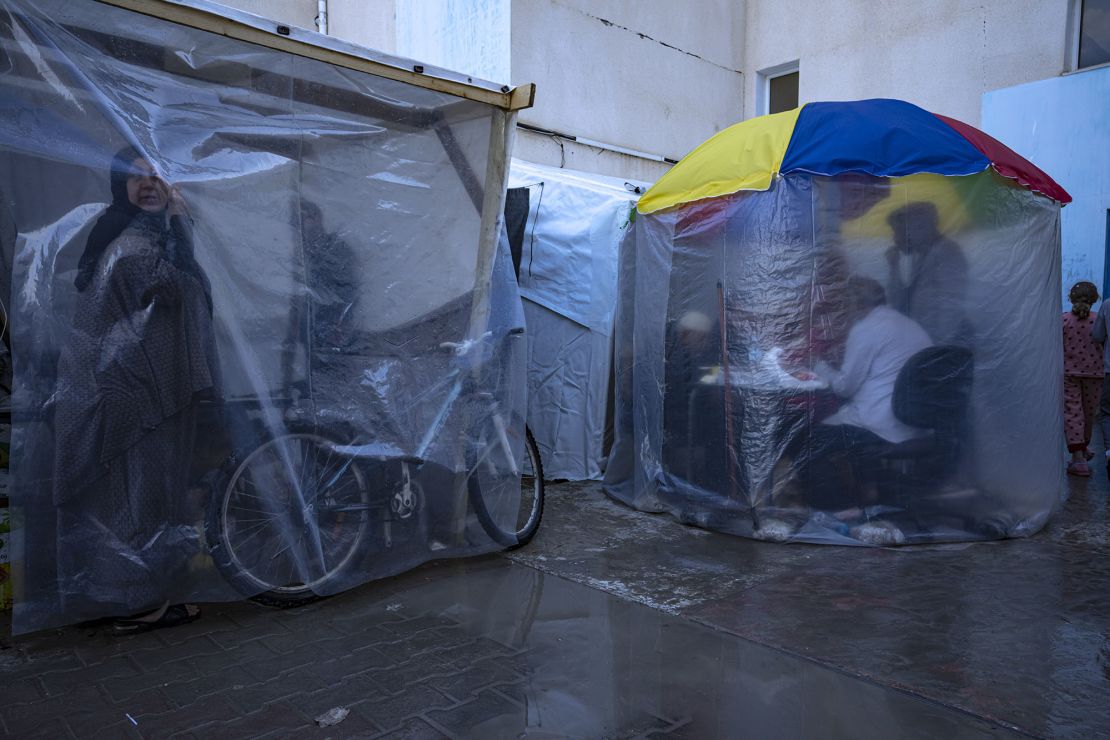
(140, 356)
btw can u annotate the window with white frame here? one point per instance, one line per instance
(777, 89)
(1090, 33)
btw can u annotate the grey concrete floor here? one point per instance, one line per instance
(615, 623)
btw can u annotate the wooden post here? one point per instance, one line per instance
(501, 136)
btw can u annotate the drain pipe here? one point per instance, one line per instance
(322, 16)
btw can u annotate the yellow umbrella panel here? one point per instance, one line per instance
(745, 156)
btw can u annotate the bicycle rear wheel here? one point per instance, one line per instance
(290, 519)
(509, 514)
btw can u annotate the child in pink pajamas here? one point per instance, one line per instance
(1082, 376)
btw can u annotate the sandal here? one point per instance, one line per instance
(1079, 468)
(174, 615)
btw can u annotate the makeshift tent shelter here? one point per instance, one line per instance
(279, 375)
(763, 387)
(569, 236)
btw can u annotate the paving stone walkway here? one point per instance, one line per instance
(623, 625)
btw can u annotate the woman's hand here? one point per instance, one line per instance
(177, 205)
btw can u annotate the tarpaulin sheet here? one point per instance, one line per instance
(568, 279)
(846, 359)
(260, 345)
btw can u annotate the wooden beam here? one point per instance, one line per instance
(506, 98)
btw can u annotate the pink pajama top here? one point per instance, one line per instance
(1082, 354)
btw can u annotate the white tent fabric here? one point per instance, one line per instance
(568, 279)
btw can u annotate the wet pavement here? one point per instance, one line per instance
(615, 624)
(1016, 632)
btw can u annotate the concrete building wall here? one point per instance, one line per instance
(293, 12)
(661, 77)
(557, 152)
(1063, 126)
(469, 36)
(941, 54)
(370, 23)
(657, 77)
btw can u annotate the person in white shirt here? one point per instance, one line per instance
(879, 343)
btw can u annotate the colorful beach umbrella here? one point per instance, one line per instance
(879, 138)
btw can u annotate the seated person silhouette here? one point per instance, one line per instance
(693, 422)
(839, 456)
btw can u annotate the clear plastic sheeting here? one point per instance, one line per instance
(846, 359)
(568, 279)
(265, 339)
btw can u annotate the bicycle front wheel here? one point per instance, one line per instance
(508, 511)
(291, 518)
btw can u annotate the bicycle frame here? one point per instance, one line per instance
(463, 380)
(310, 474)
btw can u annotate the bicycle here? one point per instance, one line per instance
(294, 514)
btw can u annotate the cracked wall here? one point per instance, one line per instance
(661, 77)
(656, 77)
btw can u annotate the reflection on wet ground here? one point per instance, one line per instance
(485, 649)
(1017, 631)
(594, 666)
(615, 623)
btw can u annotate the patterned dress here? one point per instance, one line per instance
(141, 350)
(1082, 379)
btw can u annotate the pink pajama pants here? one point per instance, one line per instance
(1081, 397)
